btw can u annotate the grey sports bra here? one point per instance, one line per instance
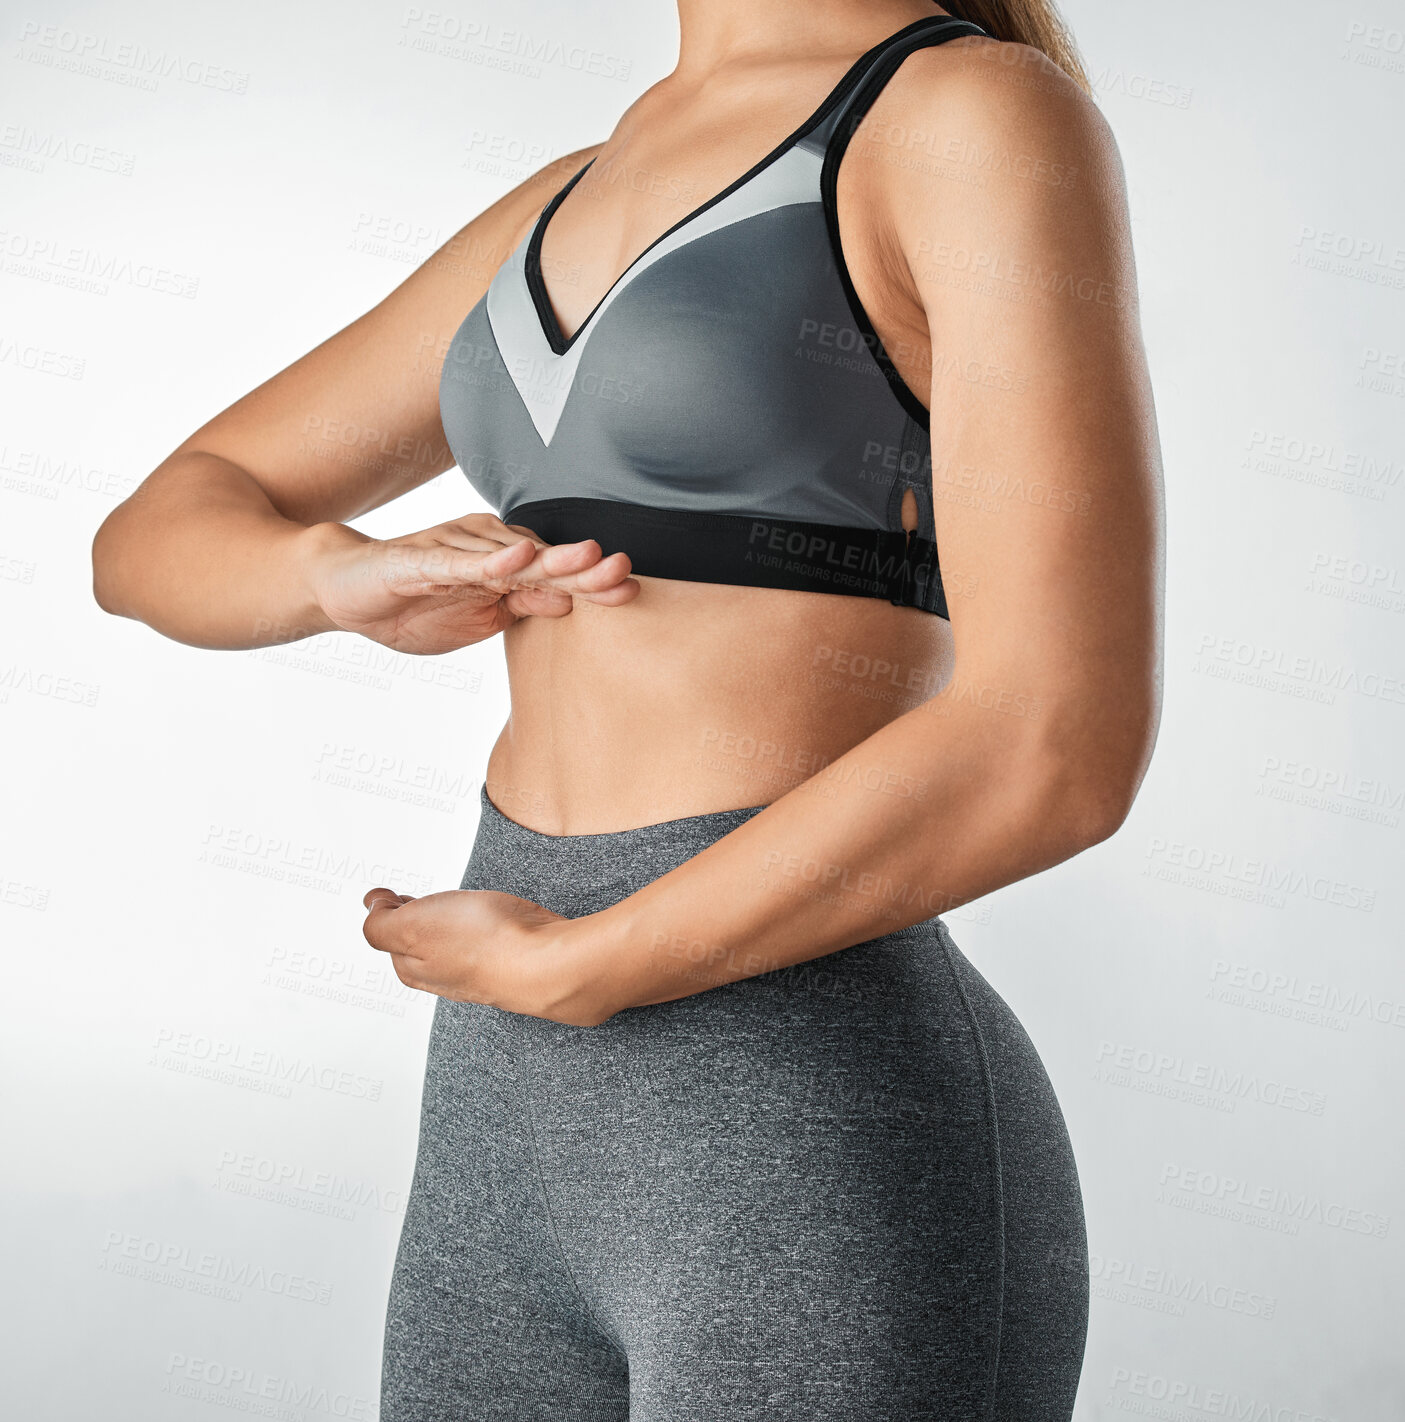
(726, 413)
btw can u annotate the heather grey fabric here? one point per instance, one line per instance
(839, 1192)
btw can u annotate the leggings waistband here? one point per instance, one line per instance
(578, 874)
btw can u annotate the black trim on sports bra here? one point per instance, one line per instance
(551, 328)
(752, 550)
(829, 180)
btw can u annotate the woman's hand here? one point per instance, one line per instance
(477, 945)
(459, 583)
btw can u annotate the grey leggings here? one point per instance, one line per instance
(842, 1190)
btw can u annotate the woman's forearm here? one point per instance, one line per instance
(200, 554)
(945, 804)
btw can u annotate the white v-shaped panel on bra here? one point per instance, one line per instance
(543, 378)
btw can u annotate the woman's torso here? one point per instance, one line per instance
(698, 697)
(701, 696)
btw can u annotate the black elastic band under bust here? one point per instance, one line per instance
(757, 550)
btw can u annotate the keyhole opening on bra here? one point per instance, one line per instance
(909, 510)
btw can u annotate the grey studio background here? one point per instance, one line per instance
(212, 1084)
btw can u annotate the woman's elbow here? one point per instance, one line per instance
(127, 547)
(1101, 806)
(112, 560)
(106, 567)
(1109, 787)
(1091, 772)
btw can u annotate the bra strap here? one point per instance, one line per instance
(850, 110)
(838, 128)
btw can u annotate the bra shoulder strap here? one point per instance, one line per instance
(848, 112)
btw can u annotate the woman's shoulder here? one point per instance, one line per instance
(994, 110)
(988, 143)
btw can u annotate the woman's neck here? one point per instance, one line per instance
(717, 33)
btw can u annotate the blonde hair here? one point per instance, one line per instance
(1036, 23)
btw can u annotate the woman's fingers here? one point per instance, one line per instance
(379, 928)
(481, 526)
(507, 563)
(576, 569)
(552, 561)
(384, 898)
(484, 555)
(537, 602)
(581, 570)
(441, 568)
(607, 582)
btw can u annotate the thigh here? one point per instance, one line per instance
(483, 1320)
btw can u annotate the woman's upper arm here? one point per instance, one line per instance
(1012, 234)
(355, 422)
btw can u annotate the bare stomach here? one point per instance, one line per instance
(698, 697)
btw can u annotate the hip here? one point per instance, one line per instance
(891, 1034)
